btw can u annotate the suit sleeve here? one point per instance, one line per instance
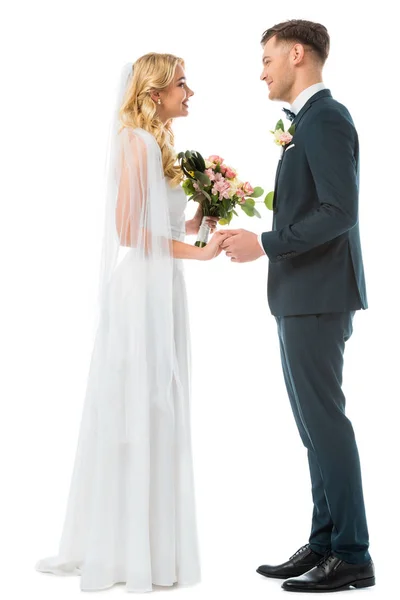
(330, 147)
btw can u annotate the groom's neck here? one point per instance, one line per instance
(303, 83)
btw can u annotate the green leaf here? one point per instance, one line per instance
(292, 129)
(187, 170)
(280, 125)
(234, 212)
(250, 202)
(258, 191)
(199, 162)
(249, 210)
(188, 188)
(191, 160)
(257, 214)
(207, 195)
(223, 222)
(204, 179)
(269, 200)
(226, 204)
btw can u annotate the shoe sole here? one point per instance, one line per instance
(281, 576)
(360, 583)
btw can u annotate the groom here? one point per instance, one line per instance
(315, 285)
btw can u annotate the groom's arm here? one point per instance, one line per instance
(329, 145)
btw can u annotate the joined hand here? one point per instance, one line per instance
(242, 246)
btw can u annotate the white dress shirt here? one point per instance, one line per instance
(296, 107)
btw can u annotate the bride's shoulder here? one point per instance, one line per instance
(132, 132)
(140, 139)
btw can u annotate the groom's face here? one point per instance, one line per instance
(278, 72)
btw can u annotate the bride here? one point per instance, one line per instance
(131, 509)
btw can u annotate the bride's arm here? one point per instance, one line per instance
(124, 228)
(189, 227)
(132, 176)
(182, 250)
(213, 248)
(130, 212)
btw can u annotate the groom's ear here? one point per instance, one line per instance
(298, 53)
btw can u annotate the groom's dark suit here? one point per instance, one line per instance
(315, 284)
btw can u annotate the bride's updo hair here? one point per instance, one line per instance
(152, 72)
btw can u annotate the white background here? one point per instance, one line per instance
(60, 64)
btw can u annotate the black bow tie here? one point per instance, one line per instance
(289, 114)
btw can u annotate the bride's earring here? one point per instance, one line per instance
(159, 101)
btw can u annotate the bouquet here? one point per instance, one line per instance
(217, 188)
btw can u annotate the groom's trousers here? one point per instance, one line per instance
(312, 348)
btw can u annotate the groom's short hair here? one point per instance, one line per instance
(308, 33)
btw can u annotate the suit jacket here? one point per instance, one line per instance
(314, 247)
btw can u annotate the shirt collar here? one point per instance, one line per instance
(305, 95)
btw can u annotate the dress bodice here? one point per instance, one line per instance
(177, 203)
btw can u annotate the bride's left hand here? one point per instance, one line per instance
(192, 226)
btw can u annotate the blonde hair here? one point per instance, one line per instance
(152, 72)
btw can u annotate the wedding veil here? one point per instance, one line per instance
(136, 276)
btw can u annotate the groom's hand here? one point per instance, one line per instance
(242, 246)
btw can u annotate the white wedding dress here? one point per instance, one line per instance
(131, 510)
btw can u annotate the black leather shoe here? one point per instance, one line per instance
(332, 575)
(302, 561)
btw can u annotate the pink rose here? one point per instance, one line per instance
(216, 159)
(230, 173)
(285, 138)
(248, 189)
(240, 193)
(223, 169)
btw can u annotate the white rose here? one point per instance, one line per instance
(233, 188)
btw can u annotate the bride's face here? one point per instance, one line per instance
(175, 98)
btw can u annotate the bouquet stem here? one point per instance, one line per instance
(203, 235)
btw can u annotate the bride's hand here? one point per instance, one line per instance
(192, 226)
(213, 247)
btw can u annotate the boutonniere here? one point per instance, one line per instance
(282, 137)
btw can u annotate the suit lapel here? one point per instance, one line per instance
(322, 94)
